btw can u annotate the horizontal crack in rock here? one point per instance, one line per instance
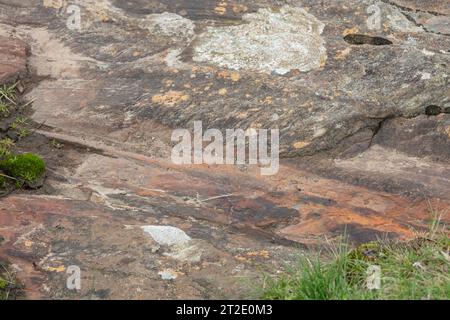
(404, 8)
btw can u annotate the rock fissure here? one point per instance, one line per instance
(429, 111)
(408, 9)
(406, 12)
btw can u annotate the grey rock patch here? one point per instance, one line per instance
(167, 235)
(166, 23)
(168, 274)
(422, 173)
(440, 24)
(397, 21)
(270, 42)
(191, 252)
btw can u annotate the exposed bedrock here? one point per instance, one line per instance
(359, 90)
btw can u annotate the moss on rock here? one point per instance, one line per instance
(27, 168)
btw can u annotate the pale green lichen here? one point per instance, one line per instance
(272, 41)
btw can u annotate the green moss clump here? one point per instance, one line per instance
(27, 168)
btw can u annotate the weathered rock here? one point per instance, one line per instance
(362, 113)
(166, 235)
(123, 78)
(270, 41)
(186, 253)
(336, 109)
(13, 59)
(423, 137)
(440, 24)
(45, 235)
(433, 6)
(168, 274)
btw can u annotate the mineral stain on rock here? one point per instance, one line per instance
(271, 42)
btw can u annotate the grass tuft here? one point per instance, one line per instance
(6, 145)
(414, 270)
(8, 93)
(10, 287)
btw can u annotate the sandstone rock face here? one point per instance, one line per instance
(13, 59)
(358, 89)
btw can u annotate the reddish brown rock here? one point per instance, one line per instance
(95, 223)
(367, 130)
(13, 59)
(118, 260)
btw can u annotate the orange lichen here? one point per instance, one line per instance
(171, 98)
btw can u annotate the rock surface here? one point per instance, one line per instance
(270, 41)
(13, 59)
(167, 235)
(364, 133)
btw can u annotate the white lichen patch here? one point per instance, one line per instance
(167, 235)
(165, 24)
(270, 41)
(168, 24)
